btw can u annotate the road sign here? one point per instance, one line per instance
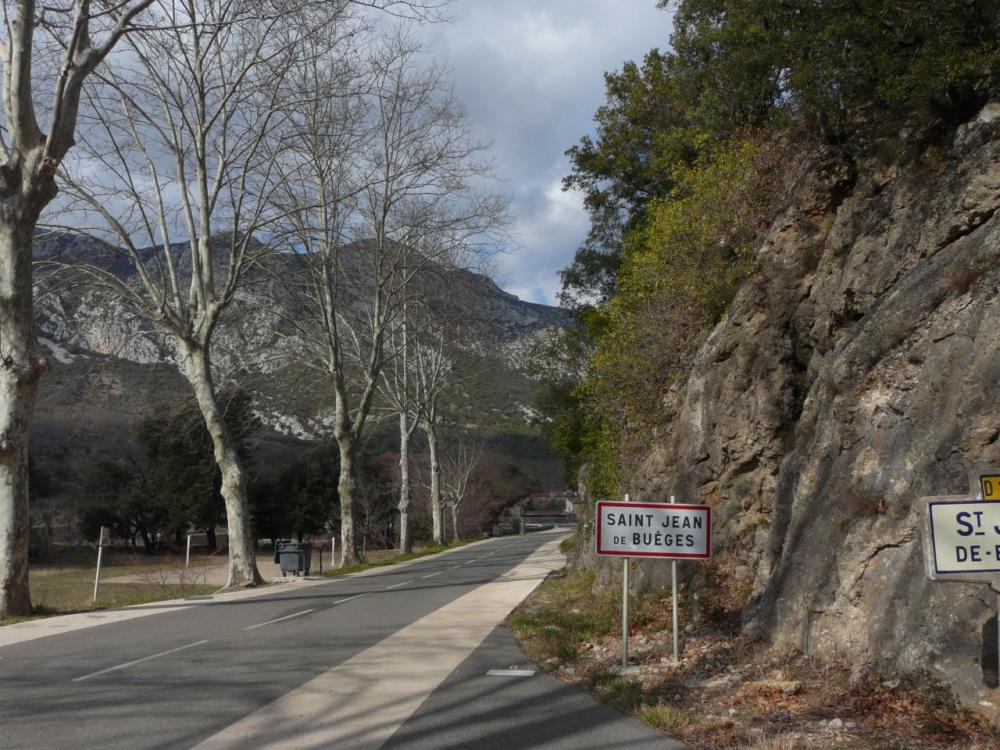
(962, 539)
(654, 530)
(961, 536)
(989, 484)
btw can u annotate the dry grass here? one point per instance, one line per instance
(63, 584)
(732, 694)
(781, 742)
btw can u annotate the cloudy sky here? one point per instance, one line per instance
(529, 72)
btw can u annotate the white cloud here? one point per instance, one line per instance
(530, 74)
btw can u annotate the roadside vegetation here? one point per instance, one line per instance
(693, 148)
(62, 583)
(695, 151)
(730, 692)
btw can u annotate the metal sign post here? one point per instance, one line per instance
(664, 530)
(986, 486)
(625, 607)
(673, 592)
(100, 555)
(187, 556)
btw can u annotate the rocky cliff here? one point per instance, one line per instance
(858, 370)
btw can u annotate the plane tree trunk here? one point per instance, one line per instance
(27, 184)
(430, 429)
(242, 560)
(405, 543)
(346, 487)
(20, 368)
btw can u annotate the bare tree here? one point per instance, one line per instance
(462, 454)
(380, 203)
(435, 373)
(79, 37)
(399, 393)
(415, 372)
(176, 150)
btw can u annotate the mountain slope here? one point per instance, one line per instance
(109, 367)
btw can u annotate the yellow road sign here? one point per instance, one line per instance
(990, 486)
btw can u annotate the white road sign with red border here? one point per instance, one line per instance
(654, 530)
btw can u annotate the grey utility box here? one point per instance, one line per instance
(294, 558)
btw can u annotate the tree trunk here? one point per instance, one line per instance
(454, 522)
(405, 544)
(147, 543)
(431, 431)
(242, 561)
(345, 489)
(20, 368)
(210, 540)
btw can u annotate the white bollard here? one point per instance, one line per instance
(187, 557)
(100, 555)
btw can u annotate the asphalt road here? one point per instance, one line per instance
(172, 680)
(474, 710)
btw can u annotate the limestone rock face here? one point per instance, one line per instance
(856, 372)
(85, 328)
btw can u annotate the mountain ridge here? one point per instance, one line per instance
(109, 366)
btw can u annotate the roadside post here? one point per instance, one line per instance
(673, 596)
(625, 627)
(333, 552)
(100, 555)
(655, 530)
(961, 539)
(187, 555)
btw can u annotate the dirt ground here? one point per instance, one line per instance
(730, 692)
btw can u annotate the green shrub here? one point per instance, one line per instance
(666, 717)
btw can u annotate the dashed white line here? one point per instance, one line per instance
(137, 661)
(397, 585)
(432, 575)
(356, 596)
(280, 619)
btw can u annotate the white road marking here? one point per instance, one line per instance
(432, 574)
(356, 596)
(280, 619)
(138, 661)
(469, 562)
(361, 702)
(510, 673)
(30, 630)
(397, 585)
